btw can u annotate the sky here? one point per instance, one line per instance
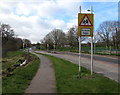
(33, 19)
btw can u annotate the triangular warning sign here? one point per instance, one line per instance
(85, 21)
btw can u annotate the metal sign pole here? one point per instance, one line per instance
(91, 55)
(80, 52)
(79, 56)
(92, 48)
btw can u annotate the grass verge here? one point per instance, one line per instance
(67, 81)
(21, 77)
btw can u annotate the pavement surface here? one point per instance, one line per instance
(101, 64)
(44, 80)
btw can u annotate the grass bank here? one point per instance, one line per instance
(67, 82)
(21, 76)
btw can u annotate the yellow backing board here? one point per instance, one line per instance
(85, 25)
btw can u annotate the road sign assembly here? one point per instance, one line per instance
(85, 25)
(85, 29)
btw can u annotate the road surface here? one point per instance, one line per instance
(108, 66)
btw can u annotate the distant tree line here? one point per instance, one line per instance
(57, 38)
(9, 41)
(106, 35)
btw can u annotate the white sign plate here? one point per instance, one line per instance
(85, 31)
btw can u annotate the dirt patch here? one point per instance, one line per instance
(22, 62)
(4, 61)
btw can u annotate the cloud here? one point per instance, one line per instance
(58, 24)
(21, 9)
(72, 23)
(34, 20)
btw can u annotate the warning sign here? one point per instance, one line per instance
(85, 25)
(85, 21)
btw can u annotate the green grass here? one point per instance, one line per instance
(15, 53)
(67, 82)
(21, 77)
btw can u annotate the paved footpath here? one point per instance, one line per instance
(44, 80)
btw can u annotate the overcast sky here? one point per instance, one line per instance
(34, 19)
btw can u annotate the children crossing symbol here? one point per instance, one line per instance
(85, 21)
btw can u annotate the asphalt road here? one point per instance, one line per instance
(105, 65)
(105, 58)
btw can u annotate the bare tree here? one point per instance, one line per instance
(105, 33)
(54, 39)
(48, 41)
(72, 38)
(58, 37)
(115, 34)
(62, 39)
(27, 43)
